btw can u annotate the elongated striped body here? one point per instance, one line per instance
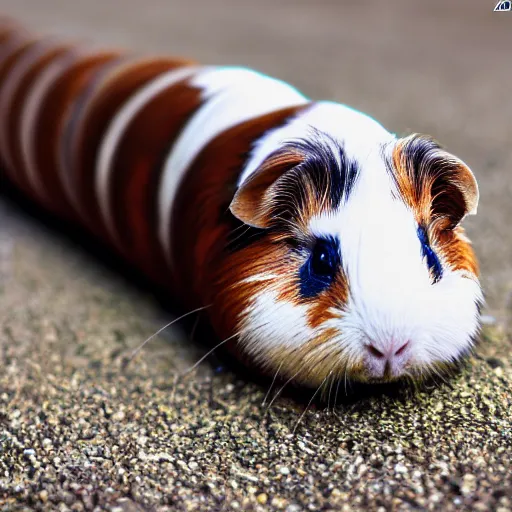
(106, 138)
(221, 183)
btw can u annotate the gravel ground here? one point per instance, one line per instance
(82, 429)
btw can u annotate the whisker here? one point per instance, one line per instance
(336, 397)
(272, 384)
(232, 241)
(345, 379)
(142, 345)
(281, 390)
(330, 391)
(194, 327)
(197, 363)
(237, 228)
(309, 403)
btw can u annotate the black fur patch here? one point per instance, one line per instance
(327, 165)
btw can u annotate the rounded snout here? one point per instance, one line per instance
(387, 360)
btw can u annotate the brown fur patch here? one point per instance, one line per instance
(253, 202)
(457, 250)
(73, 124)
(14, 108)
(11, 36)
(17, 44)
(199, 247)
(137, 170)
(7, 27)
(112, 92)
(335, 296)
(49, 125)
(440, 190)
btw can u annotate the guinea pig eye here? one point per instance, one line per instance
(433, 263)
(322, 260)
(319, 270)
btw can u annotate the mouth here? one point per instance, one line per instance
(387, 377)
(416, 376)
(316, 367)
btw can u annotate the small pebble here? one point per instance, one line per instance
(29, 452)
(262, 498)
(400, 468)
(278, 502)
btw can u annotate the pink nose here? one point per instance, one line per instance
(387, 359)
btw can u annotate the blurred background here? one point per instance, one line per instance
(437, 67)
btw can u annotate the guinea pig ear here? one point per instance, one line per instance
(455, 191)
(443, 183)
(253, 201)
(467, 184)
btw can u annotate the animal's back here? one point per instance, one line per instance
(107, 138)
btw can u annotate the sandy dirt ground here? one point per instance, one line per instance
(81, 430)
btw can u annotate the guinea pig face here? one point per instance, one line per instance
(355, 268)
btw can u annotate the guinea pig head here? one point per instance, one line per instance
(354, 266)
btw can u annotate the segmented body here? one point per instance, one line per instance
(108, 138)
(318, 239)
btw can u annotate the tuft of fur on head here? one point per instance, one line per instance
(301, 178)
(405, 274)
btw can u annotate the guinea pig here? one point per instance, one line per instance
(321, 245)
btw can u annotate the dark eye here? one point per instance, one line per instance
(319, 270)
(433, 263)
(322, 260)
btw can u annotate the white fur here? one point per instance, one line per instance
(359, 133)
(270, 323)
(116, 130)
(231, 96)
(260, 277)
(392, 298)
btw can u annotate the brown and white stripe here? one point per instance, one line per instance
(107, 138)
